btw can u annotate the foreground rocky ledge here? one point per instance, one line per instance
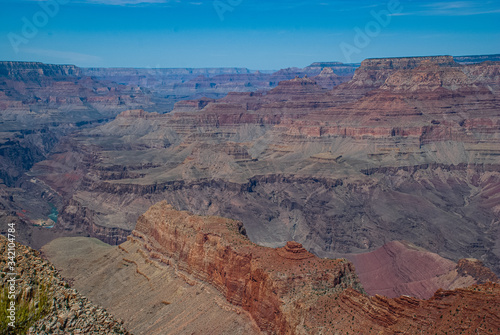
(52, 306)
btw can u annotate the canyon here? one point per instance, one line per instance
(358, 196)
(42, 105)
(406, 150)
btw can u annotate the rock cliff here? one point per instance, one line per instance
(267, 283)
(28, 71)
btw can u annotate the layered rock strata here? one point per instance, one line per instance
(265, 282)
(407, 150)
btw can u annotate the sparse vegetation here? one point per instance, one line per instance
(30, 307)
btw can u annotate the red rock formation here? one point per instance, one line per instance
(468, 311)
(268, 283)
(295, 251)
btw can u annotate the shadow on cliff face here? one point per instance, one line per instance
(446, 210)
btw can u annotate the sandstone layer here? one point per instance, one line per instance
(265, 282)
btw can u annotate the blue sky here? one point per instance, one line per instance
(261, 34)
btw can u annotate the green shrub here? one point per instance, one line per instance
(28, 310)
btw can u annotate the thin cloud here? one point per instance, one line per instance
(401, 14)
(131, 3)
(451, 5)
(457, 8)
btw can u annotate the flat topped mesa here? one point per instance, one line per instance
(405, 62)
(294, 251)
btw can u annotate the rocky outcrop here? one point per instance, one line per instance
(405, 63)
(374, 72)
(267, 283)
(465, 311)
(477, 270)
(294, 251)
(54, 307)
